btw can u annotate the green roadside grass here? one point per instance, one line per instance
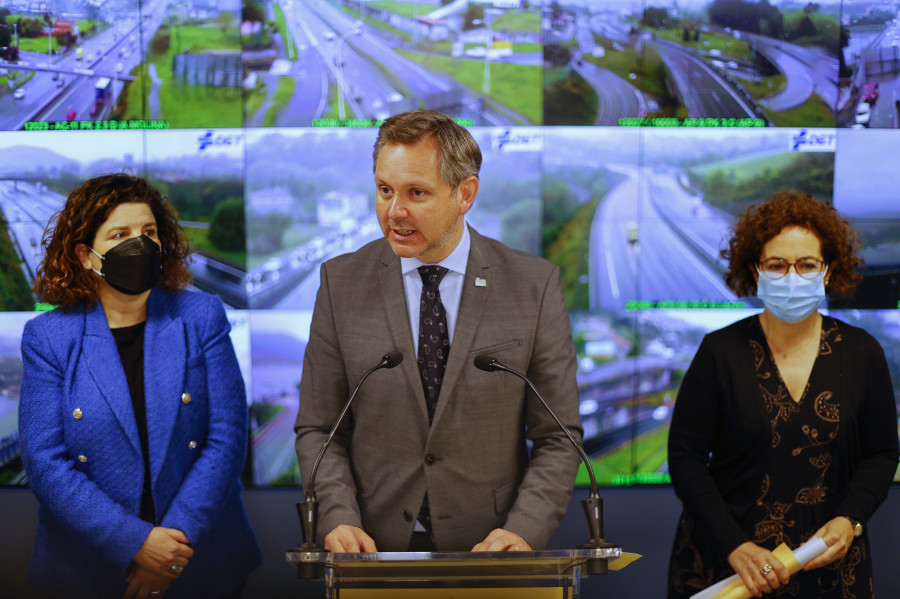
(334, 112)
(722, 42)
(569, 253)
(16, 294)
(253, 100)
(517, 87)
(517, 22)
(18, 81)
(445, 46)
(284, 90)
(189, 106)
(37, 45)
(644, 71)
(290, 48)
(815, 112)
(741, 170)
(264, 412)
(404, 9)
(569, 100)
(765, 87)
(644, 454)
(199, 239)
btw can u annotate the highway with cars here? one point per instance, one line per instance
(374, 79)
(28, 208)
(617, 98)
(702, 89)
(639, 251)
(63, 86)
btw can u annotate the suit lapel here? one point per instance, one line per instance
(102, 357)
(165, 361)
(471, 306)
(398, 322)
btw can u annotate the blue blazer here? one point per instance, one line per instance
(83, 457)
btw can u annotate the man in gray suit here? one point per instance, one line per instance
(437, 454)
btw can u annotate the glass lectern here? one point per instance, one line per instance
(552, 574)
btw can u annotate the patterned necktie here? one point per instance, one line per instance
(434, 347)
(434, 341)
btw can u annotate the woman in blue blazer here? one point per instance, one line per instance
(133, 414)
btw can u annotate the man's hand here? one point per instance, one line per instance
(349, 539)
(749, 560)
(502, 540)
(162, 549)
(838, 535)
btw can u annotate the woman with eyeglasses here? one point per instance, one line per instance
(785, 425)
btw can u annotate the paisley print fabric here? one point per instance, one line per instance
(795, 491)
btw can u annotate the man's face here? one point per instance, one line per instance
(418, 212)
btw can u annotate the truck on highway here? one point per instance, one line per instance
(102, 95)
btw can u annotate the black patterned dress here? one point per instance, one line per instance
(794, 492)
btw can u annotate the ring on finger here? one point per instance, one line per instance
(765, 569)
(176, 569)
(155, 592)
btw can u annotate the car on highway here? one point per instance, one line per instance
(870, 93)
(632, 232)
(381, 112)
(119, 67)
(60, 81)
(863, 114)
(271, 269)
(19, 93)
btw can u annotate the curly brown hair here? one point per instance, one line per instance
(761, 222)
(62, 279)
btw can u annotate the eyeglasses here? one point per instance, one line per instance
(778, 268)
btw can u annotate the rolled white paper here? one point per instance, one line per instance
(809, 550)
(802, 554)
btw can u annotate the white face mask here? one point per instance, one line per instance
(791, 298)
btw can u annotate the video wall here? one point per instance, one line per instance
(620, 139)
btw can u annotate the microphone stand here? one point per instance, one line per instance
(308, 509)
(593, 504)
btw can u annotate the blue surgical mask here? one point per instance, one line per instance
(791, 298)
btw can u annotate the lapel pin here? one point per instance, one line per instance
(479, 282)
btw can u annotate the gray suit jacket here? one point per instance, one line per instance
(473, 461)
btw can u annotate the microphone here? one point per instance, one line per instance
(308, 508)
(593, 505)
